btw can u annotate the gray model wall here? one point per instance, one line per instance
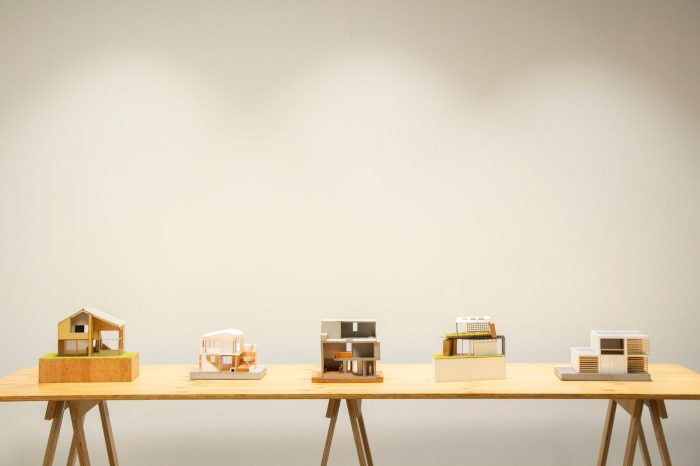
(189, 166)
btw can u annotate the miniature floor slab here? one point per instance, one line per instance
(293, 381)
(255, 373)
(568, 373)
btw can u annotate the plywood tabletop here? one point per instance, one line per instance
(293, 381)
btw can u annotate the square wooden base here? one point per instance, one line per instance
(123, 368)
(339, 377)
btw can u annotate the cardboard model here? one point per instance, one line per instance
(90, 349)
(349, 351)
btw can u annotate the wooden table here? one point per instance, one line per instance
(401, 381)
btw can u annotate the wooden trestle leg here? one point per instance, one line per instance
(359, 432)
(78, 447)
(657, 411)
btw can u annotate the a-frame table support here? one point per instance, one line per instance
(657, 411)
(78, 447)
(359, 432)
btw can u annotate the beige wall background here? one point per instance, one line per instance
(261, 165)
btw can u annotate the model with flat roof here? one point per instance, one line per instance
(613, 355)
(349, 351)
(472, 352)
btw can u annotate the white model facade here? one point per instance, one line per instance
(223, 354)
(613, 352)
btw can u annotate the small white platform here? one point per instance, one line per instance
(568, 373)
(255, 373)
(455, 369)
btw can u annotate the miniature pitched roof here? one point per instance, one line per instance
(226, 331)
(100, 315)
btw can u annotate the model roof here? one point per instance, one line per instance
(226, 331)
(583, 350)
(465, 319)
(618, 333)
(349, 320)
(100, 315)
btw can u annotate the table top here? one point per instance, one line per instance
(293, 381)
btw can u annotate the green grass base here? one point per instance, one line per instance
(125, 355)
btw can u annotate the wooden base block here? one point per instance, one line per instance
(469, 369)
(79, 369)
(255, 373)
(568, 373)
(339, 377)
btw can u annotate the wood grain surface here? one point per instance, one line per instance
(293, 381)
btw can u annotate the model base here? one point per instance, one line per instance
(568, 373)
(79, 369)
(345, 377)
(466, 369)
(255, 373)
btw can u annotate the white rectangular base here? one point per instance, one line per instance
(467, 369)
(569, 373)
(255, 373)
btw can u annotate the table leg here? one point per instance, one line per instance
(657, 410)
(607, 433)
(363, 433)
(633, 434)
(332, 414)
(353, 413)
(109, 436)
(77, 415)
(359, 432)
(643, 445)
(54, 413)
(78, 448)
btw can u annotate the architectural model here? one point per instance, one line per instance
(613, 355)
(90, 349)
(472, 352)
(349, 351)
(224, 356)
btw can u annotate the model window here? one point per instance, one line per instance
(80, 329)
(354, 326)
(226, 360)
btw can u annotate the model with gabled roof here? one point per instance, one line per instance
(90, 349)
(90, 331)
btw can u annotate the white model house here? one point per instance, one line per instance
(223, 354)
(613, 355)
(613, 352)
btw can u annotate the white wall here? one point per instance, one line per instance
(189, 166)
